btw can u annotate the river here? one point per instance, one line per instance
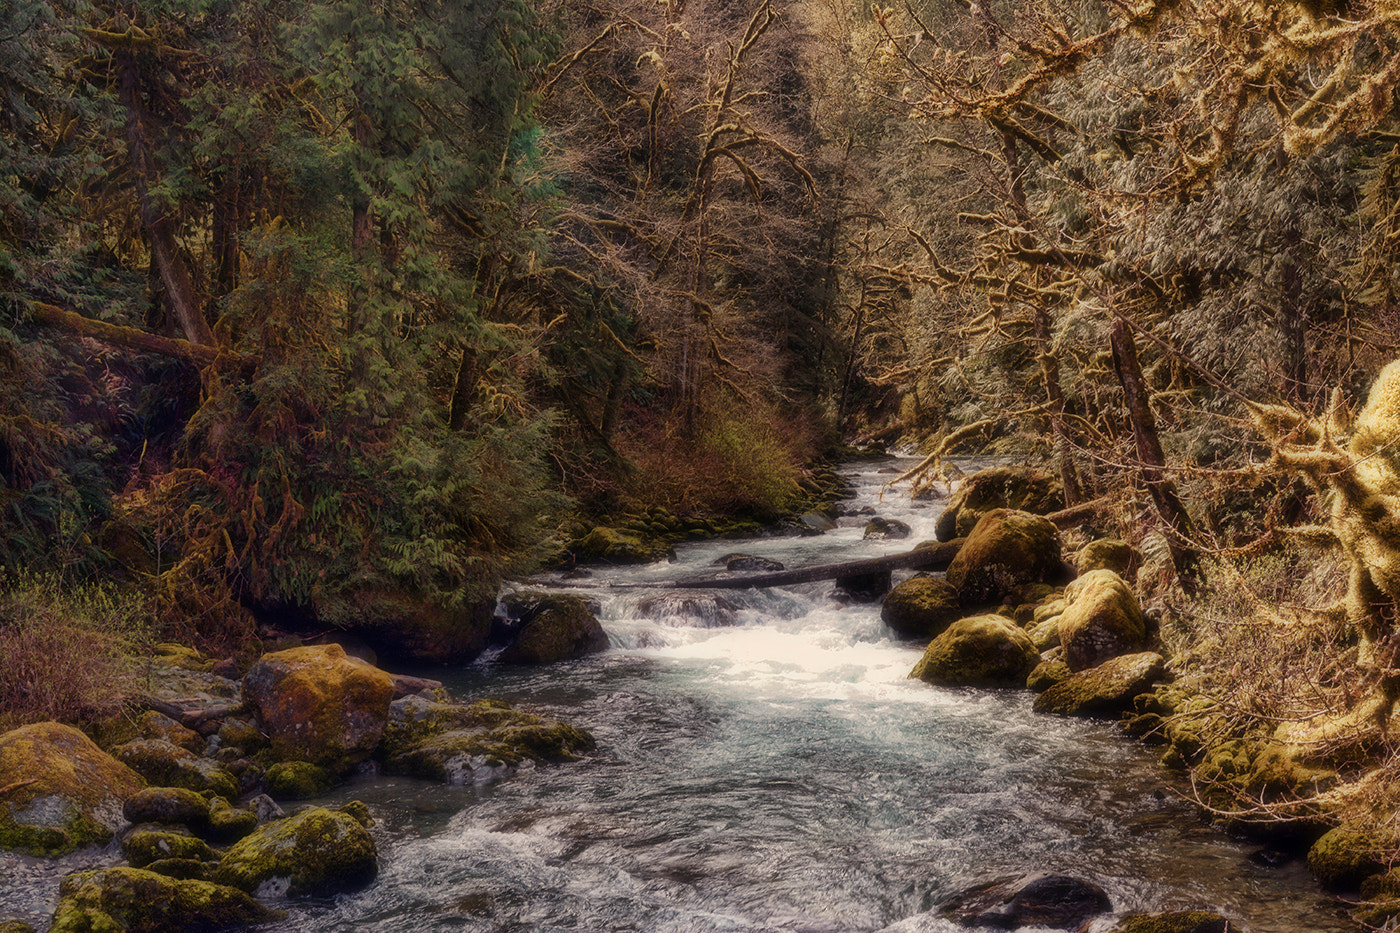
(766, 765)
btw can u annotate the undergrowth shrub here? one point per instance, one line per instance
(70, 652)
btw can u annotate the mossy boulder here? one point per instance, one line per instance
(1106, 691)
(1046, 674)
(228, 823)
(550, 627)
(15, 926)
(59, 792)
(167, 765)
(318, 704)
(1006, 550)
(921, 607)
(606, 545)
(155, 725)
(1343, 857)
(998, 488)
(133, 900)
(142, 846)
(1102, 620)
(319, 852)
(985, 650)
(472, 745)
(1175, 921)
(174, 805)
(1107, 554)
(297, 780)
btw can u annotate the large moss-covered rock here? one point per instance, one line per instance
(318, 704)
(59, 792)
(985, 650)
(1106, 691)
(1343, 857)
(550, 627)
(475, 743)
(921, 607)
(1006, 550)
(167, 765)
(319, 852)
(297, 780)
(1102, 620)
(612, 546)
(1107, 554)
(132, 900)
(144, 846)
(998, 488)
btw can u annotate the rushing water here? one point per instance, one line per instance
(766, 765)
(781, 773)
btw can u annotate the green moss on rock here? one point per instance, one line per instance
(1176, 921)
(552, 627)
(1006, 550)
(1343, 858)
(319, 852)
(228, 823)
(133, 900)
(1105, 691)
(985, 650)
(297, 780)
(921, 607)
(1102, 620)
(998, 488)
(614, 546)
(167, 765)
(61, 792)
(168, 805)
(144, 846)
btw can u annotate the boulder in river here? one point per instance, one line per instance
(1176, 921)
(1056, 902)
(59, 792)
(699, 608)
(318, 704)
(113, 900)
(318, 852)
(1106, 691)
(1102, 620)
(550, 627)
(921, 607)
(985, 650)
(1006, 550)
(1004, 487)
(748, 563)
(881, 529)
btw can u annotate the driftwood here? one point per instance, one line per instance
(937, 557)
(198, 718)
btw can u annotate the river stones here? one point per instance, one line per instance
(921, 607)
(1106, 691)
(1057, 902)
(983, 651)
(881, 529)
(550, 627)
(1006, 550)
(998, 488)
(141, 901)
(1176, 921)
(59, 792)
(167, 765)
(1102, 620)
(319, 852)
(318, 704)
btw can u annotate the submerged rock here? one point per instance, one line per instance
(998, 488)
(749, 563)
(1056, 902)
(986, 650)
(1006, 550)
(59, 792)
(921, 607)
(320, 705)
(115, 900)
(319, 852)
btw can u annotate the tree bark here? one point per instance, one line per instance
(128, 337)
(1151, 461)
(160, 230)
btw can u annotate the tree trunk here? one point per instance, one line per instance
(1050, 372)
(1151, 461)
(128, 337)
(160, 229)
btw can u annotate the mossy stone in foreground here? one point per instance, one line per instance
(1176, 921)
(1007, 550)
(319, 852)
(15, 926)
(296, 780)
(981, 651)
(1105, 691)
(61, 792)
(144, 846)
(178, 805)
(168, 765)
(921, 607)
(132, 900)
